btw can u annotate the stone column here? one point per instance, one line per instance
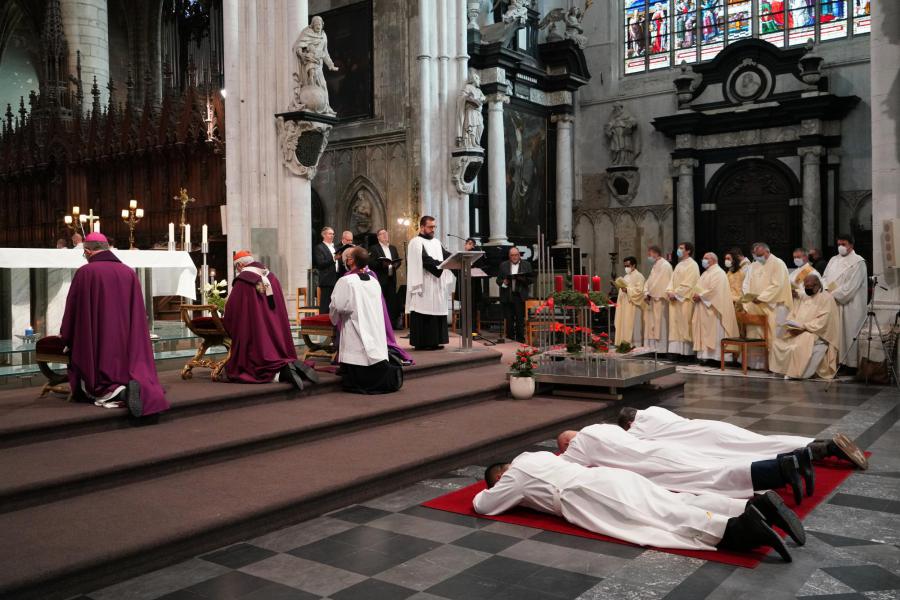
(812, 195)
(684, 203)
(565, 171)
(497, 170)
(426, 106)
(86, 27)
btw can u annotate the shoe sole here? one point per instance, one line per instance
(784, 518)
(133, 397)
(774, 540)
(853, 452)
(807, 471)
(307, 372)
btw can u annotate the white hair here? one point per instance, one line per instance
(244, 260)
(714, 257)
(762, 245)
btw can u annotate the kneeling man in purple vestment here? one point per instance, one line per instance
(105, 328)
(262, 347)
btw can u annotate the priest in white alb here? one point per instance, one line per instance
(681, 307)
(801, 269)
(656, 311)
(630, 304)
(428, 288)
(845, 277)
(624, 505)
(713, 311)
(767, 291)
(812, 338)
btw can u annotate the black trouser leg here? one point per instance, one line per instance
(519, 314)
(509, 315)
(766, 475)
(325, 299)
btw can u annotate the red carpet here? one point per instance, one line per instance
(829, 475)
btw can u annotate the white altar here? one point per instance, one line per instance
(162, 273)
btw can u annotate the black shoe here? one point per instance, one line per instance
(288, 374)
(804, 462)
(777, 514)
(847, 450)
(790, 474)
(133, 398)
(819, 449)
(306, 372)
(760, 534)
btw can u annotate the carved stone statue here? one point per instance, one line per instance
(517, 11)
(574, 30)
(624, 145)
(311, 50)
(571, 18)
(470, 124)
(361, 213)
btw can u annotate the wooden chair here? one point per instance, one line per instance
(211, 332)
(51, 350)
(533, 326)
(743, 343)
(318, 326)
(304, 309)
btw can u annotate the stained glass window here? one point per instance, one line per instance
(664, 33)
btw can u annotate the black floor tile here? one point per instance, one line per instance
(788, 427)
(702, 582)
(559, 583)
(466, 586)
(719, 404)
(867, 503)
(363, 537)
(581, 543)
(814, 412)
(322, 550)
(865, 578)
(404, 547)
(871, 435)
(237, 556)
(276, 591)
(369, 560)
(373, 589)
(507, 570)
(359, 514)
(179, 595)
(486, 541)
(837, 597)
(447, 517)
(229, 586)
(840, 541)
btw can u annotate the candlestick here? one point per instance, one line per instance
(124, 213)
(204, 234)
(171, 237)
(67, 219)
(187, 237)
(75, 210)
(139, 213)
(132, 204)
(132, 215)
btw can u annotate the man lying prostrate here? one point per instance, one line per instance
(718, 439)
(629, 507)
(680, 468)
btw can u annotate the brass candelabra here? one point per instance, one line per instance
(185, 200)
(132, 216)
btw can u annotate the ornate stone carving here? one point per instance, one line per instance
(302, 144)
(750, 81)
(464, 168)
(516, 12)
(311, 50)
(624, 145)
(571, 19)
(623, 184)
(361, 213)
(470, 124)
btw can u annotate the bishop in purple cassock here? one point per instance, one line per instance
(105, 328)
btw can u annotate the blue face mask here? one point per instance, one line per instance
(651, 259)
(705, 263)
(679, 253)
(760, 259)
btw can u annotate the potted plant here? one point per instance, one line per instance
(215, 295)
(521, 373)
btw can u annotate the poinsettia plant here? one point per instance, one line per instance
(575, 299)
(600, 343)
(572, 336)
(524, 364)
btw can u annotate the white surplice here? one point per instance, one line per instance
(425, 293)
(356, 304)
(611, 502)
(674, 466)
(715, 439)
(845, 277)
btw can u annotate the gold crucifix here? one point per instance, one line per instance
(90, 218)
(184, 199)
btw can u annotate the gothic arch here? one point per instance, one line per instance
(361, 192)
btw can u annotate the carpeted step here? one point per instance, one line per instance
(51, 470)
(61, 548)
(26, 418)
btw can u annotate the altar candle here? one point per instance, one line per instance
(172, 235)
(581, 283)
(75, 210)
(139, 213)
(187, 238)
(204, 232)
(132, 204)
(558, 283)
(97, 226)
(68, 219)
(124, 213)
(595, 283)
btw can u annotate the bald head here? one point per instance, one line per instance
(564, 439)
(514, 255)
(711, 258)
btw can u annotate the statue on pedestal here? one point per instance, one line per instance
(470, 124)
(311, 50)
(624, 146)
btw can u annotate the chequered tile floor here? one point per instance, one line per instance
(392, 548)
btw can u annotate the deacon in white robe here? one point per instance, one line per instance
(356, 308)
(629, 304)
(718, 439)
(767, 290)
(845, 277)
(811, 343)
(681, 308)
(713, 311)
(428, 288)
(656, 313)
(623, 505)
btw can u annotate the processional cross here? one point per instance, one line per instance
(90, 218)
(185, 200)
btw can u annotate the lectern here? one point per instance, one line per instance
(463, 262)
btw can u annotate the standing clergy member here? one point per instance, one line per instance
(256, 319)
(681, 468)
(356, 306)
(514, 281)
(105, 328)
(714, 311)
(326, 263)
(845, 277)
(656, 315)
(767, 291)
(385, 260)
(630, 304)
(624, 505)
(812, 337)
(718, 439)
(428, 288)
(681, 308)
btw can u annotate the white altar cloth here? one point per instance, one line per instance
(172, 273)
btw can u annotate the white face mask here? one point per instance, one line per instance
(728, 263)
(798, 262)
(705, 263)
(843, 250)
(651, 259)
(760, 259)
(627, 270)
(679, 252)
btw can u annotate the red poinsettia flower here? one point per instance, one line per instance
(604, 335)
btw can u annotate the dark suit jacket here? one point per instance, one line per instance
(324, 264)
(376, 252)
(522, 284)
